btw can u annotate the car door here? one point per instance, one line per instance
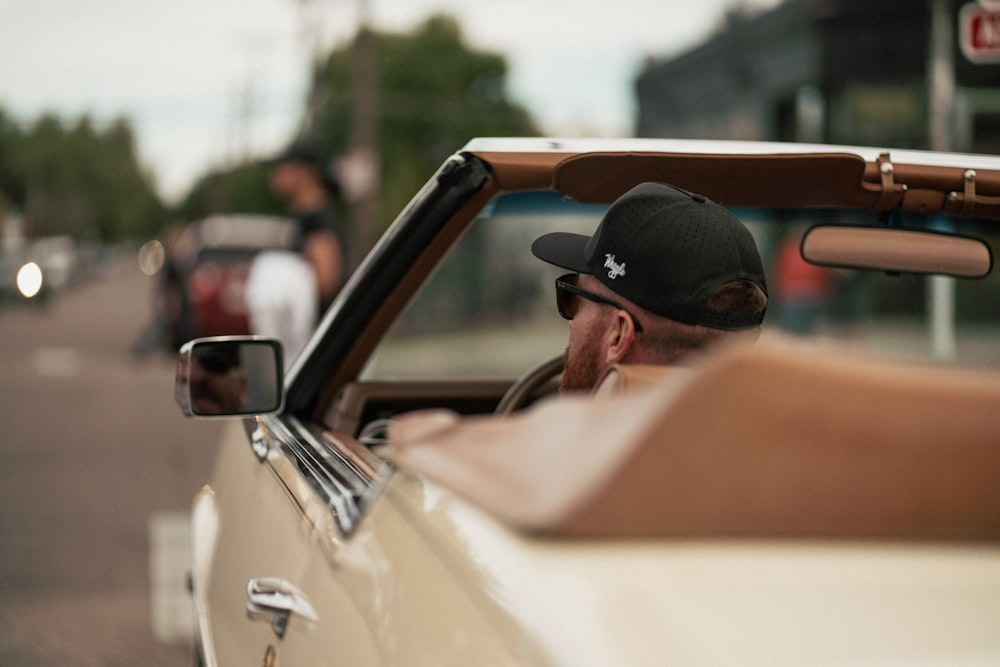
(297, 579)
(259, 530)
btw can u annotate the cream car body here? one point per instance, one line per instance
(315, 546)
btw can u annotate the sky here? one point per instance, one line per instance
(206, 82)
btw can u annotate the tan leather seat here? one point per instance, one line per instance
(775, 440)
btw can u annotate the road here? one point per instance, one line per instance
(97, 472)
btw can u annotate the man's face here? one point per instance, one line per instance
(285, 177)
(584, 358)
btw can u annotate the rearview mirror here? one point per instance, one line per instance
(897, 249)
(229, 376)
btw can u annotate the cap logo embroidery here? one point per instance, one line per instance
(614, 269)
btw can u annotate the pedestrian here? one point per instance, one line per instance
(301, 175)
(801, 289)
(287, 291)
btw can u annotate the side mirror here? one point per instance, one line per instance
(897, 249)
(229, 376)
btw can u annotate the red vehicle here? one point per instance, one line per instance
(212, 261)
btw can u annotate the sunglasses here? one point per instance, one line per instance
(568, 299)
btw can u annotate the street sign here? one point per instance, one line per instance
(979, 32)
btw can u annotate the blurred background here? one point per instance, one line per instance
(134, 146)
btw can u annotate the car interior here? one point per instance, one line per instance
(843, 201)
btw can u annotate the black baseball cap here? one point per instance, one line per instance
(301, 150)
(666, 250)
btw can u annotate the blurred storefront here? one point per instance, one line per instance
(837, 71)
(916, 74)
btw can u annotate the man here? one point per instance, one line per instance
(300, 175)
(666, 273)
(286, 291)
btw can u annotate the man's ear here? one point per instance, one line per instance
(621, 338)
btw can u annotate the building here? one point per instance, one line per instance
(838, 71)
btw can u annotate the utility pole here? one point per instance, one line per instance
(941, 85)
(311, 34)
(358, 169)
(363, 151)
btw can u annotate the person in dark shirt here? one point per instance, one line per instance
(301, 176)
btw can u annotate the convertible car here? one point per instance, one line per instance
(415, 491)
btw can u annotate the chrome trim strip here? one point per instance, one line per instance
(296, 455)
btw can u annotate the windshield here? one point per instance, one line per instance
(488, 311)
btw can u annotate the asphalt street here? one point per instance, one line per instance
(97, 472)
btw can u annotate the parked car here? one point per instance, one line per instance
(32, 271)
(202, 290)
(21, 282)
(416, 493)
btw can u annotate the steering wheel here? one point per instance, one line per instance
(525, 386)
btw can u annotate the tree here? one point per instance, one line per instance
(243, 189)
(434, 94)
(77, 180)
(11, 186)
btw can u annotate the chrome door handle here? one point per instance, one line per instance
(276, 600)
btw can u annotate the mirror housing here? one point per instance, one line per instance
(229, 376)
(897, 249)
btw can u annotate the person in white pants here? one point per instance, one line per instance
(282, 299)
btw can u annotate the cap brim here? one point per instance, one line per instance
(562, 249)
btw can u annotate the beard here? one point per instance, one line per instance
(581, 363)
